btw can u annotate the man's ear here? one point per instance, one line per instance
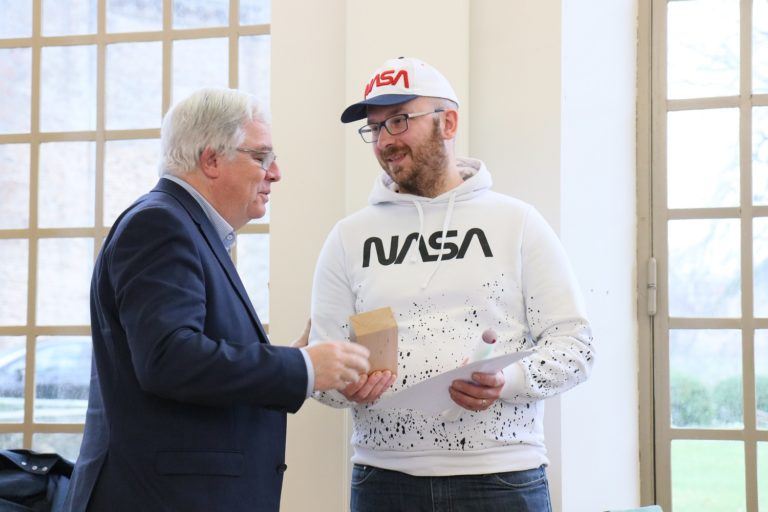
(450, 123)
(209, 162)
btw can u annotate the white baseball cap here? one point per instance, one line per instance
(397, 81)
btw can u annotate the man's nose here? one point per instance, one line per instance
(274, 174)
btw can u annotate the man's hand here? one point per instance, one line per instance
(479, 394)
(337, 363)
(369, 387)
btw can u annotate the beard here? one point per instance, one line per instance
(424, 174)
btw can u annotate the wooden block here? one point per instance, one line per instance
(377, 330)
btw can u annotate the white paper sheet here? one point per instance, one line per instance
(431, 396)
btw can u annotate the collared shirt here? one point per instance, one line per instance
(228, 238)
(223, 229)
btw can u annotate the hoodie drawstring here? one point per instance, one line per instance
(446, 223)
(421, 230)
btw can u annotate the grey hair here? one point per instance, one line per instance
(444, 103)
(210, 117)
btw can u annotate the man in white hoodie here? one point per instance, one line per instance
(451, 258)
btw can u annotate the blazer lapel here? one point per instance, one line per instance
(209, 234)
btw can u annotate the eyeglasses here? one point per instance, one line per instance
(265, 158)
(394, 125)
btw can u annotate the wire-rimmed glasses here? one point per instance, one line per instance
(394, 125)
(265, 158)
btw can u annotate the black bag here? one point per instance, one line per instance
(33, 482)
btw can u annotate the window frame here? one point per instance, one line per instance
(654, 322)
(100, 136)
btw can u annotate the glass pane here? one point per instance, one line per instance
(759, 51)
(67, 184)
(187, 56)
(194, 13)
(704, 272)
(14, 266)
(134, 15)
(253, 267)
(67, 17)
(255, 12)
(254, 77)
(762, 476)
(66, 445)
(760, 155)
(708, 476)
(130, 170)
(68, 88)
(705, 379)
(14, 186)
(134, 85)
(11, 440)
(13, 361)
(254, 68)
(760, 243)
(62, 377)
(16, 20)
(703, 158)
(703, 48)
(63, 281)
(16, 70)
(761, 378)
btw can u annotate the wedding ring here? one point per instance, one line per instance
(484, 402)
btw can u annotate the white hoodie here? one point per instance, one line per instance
(451, 267)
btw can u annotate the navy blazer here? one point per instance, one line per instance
(188, 402)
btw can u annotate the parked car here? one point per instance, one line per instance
(63, 369)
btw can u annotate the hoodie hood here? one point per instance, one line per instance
(477, 180)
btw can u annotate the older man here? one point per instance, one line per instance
(188, 397)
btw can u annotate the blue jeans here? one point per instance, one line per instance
(381, 490)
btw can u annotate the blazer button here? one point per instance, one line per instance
(282, 468)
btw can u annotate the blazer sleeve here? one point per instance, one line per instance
(190, 335)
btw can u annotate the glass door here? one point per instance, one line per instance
(710, 246)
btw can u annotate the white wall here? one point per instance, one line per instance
(547, 95)
(307, 95)
(598, 206)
